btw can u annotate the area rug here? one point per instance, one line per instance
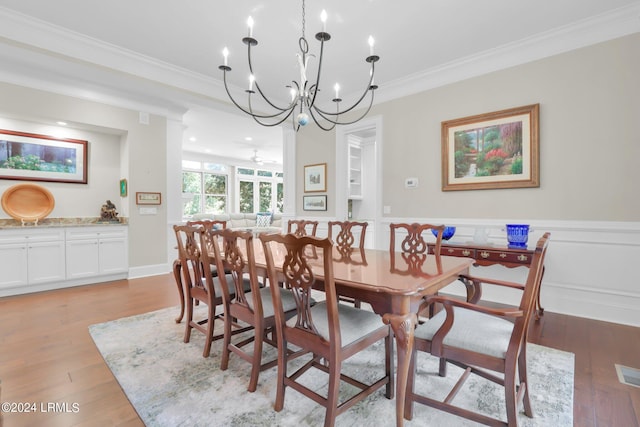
(170, 384)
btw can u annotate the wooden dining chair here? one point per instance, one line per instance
(302, 227)
(200, 284)
(348, 239)
(332, 332)
(414, 248)
(234, 252)
(480, 339)
(414, 241)
(177, 264)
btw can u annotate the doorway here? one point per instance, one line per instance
(359, 175)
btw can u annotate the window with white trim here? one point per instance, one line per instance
(204, 188)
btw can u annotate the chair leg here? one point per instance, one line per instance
(388, 366)
(282, 374)
(257, 359)
(333, 392)
(188, 320)
(522, 372)
(224, 362)
(177, 273)
(442, 371)
(210, 324)
(510, 392)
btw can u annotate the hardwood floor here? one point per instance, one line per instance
(47, 356)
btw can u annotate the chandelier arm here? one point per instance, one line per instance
(256, 117)
(258, 86)
(318, 123)
(369, 88)
(336, 122)
(250, 110)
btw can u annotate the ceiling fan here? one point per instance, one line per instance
(259, 160)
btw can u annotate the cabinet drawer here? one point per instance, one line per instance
(95, 233)
(459, 252)
(504, 257)
(25, 236)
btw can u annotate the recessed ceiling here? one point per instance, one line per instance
(163, 56)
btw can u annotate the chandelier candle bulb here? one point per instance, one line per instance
(251, 80)
(371, 43)
(323, 18)
(337, 88)
(250, 25)
(225, 55)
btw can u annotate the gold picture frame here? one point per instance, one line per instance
(147, 198)
(492, 150)
(315, 178)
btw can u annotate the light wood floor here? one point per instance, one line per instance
(47, 355)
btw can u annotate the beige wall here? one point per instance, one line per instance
(119, 147)
(589, 140)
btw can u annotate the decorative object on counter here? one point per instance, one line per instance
(108, 212)
(146, 198)
(446, 234)
(492, 150)
(43, 158)
(27, 202)
(123, 188)
(517, 235)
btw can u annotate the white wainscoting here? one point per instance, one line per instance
(590, 270)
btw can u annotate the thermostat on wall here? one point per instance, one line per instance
(411, 182)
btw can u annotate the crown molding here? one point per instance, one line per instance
(608, 26)
(175, 88)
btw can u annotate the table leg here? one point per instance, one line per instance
(177, 268)
(403, 326)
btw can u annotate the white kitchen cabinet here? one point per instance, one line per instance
(31, 257)
(96, 251)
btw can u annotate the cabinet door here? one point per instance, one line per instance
(13, 265)
(113, 256)
(82, 258)
(46, 262)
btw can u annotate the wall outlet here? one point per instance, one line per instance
(386, 209)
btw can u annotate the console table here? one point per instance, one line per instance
(485, 255)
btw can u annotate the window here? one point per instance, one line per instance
(204, 188)
(259, 190)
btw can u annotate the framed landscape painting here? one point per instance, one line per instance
(33, 157)
(315, 178)
(491, 150)
(314, 203)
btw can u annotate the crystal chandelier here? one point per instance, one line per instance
(303, 92)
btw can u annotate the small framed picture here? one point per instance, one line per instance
(123, 188)
(315, 178)
(145, 198)
(314, 203)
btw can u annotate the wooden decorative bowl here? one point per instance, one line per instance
(27, 202)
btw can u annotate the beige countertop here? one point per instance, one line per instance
(8, 223)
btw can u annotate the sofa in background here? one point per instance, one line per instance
(260, 222)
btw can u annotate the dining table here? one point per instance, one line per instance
(394, 284)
